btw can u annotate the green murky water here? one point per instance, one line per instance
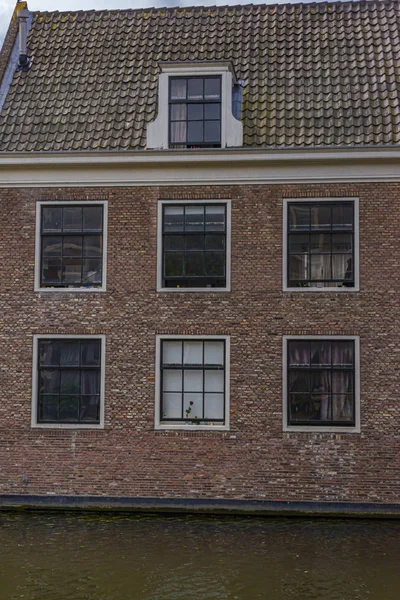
(80, 557)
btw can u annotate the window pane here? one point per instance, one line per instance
(92, 245)
(193, 353)
(195, 89)
(320, 267)
(195, 242)
(178, 132)
(90, 353)
(321, 217)
(212, 111)
(49, 381)
(173, 218)
(299, 381)
(298, 267)
(194, 218)
(212, 88)
(92, 271)
(214, 381)
(193, 406)
(173, 264)
(213, 406)
(342, 267)
(215, 242)
(194, 264)
(321, 353)
(298, 243)
(90, 382)
(215, 264)
(92, 218)
(342, 382)
(195, 112)
(172, 380)
(299, 354)
(342, 242)
(72, 218)
(52, 246)
(299, 216)
(320, 407)
(215, 218)
(212, 131)
(171, 406)
(342, 353)
(69, 354)
(214, 353)
(299, 407)
(69, 408)
(195, 132)
(172, 353)
(51, 270)
(320, 382)
(320, 242)
(72, 268)
(72, 245)
(48, 408)
(70, 382)
(174, 242)
(193, 381)
(178, 112)
(51, 218)
(90, 409)
(49, 353)
(343, 408)
(178, 89)
(342, 216)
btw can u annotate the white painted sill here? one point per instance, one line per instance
(190, 290)
(325, 290)
(304, 429)
(65, 426)
(70, 290)
(191, 427)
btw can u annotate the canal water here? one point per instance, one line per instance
(54, 556)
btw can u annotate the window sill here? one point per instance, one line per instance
(319, 429)
(161, 427)
(69, 290)
(209, 290)
(341, 290)
(66, 426)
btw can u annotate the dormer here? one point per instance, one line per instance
(195, 106)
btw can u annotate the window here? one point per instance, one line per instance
(195, 103)
(195, 112)
(321, 244)
(194, 246)
(70, 246)
(192, 385)
(68, 381)
(321, 383)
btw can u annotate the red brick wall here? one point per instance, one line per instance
(255, 459)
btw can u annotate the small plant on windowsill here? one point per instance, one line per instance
(195, 420)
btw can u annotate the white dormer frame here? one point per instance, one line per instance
(231, 128)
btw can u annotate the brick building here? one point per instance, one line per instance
(199, 258)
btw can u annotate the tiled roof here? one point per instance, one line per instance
(316, 74)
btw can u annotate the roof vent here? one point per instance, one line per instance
(23, 61)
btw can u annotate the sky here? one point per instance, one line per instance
(7, 6)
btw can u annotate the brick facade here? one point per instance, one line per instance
(255, 459)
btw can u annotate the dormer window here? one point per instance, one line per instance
(195, 112)
(195, 107)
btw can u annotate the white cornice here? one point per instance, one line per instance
(191, 167)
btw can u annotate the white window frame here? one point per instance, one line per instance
(320, 428)
(35, 382)
(157, 422)
(345, 290)
(231, 128)
(227, 288)
(38, 247)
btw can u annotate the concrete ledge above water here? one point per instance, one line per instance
(200, 506)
